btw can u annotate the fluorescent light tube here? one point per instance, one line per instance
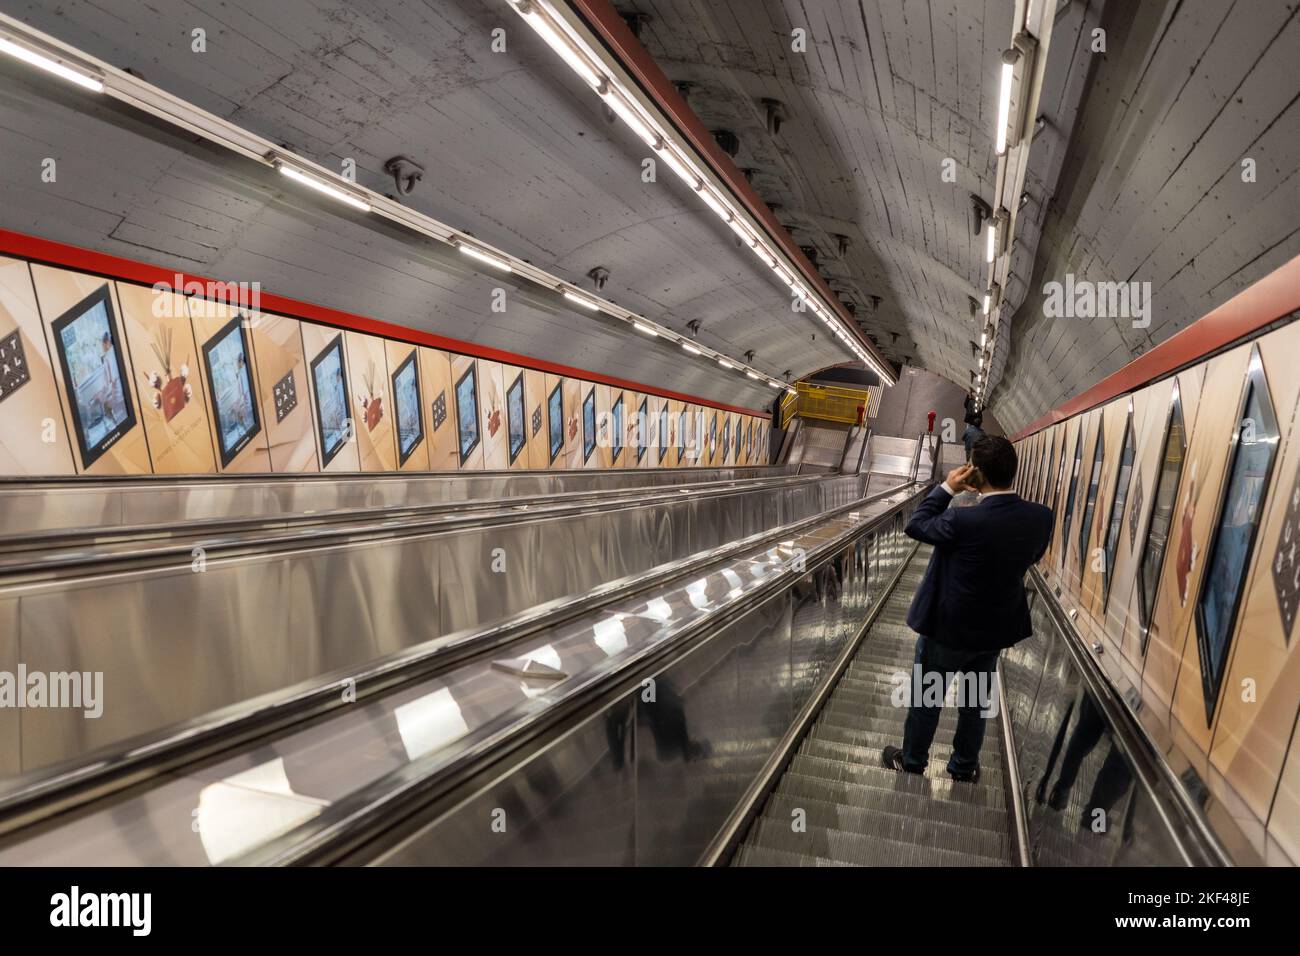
(495, 261)
(992, 241)
(321, 186)
(691, 348)
(623, 108)
(563, 47)
(725, 364)
(1004, 104)
(646, 330)
(987, 301)
(984, 337)
(751, 374)
(714, 203)
(681, 167)
(581, 300)
(50, 65)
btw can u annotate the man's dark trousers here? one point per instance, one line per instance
(922, 721)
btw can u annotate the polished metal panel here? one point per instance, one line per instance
(174, 643)
(726, 703)
(10, 727)
(91, 503)
(891, 456)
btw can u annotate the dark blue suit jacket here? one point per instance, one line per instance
(973, 594)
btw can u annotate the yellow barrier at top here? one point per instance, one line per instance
(788, 404)
(831, 403)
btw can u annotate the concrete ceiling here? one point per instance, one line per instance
(1138, 177)
(518, 152)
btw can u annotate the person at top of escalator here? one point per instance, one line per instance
(970, 604)
(974, 432)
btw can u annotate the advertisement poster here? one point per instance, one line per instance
(588, 424)
(406, 404)
(467, 412)
(94, 371)
(616, 440)
(555, 420)
(230, 380)
(330, 379)
(515, 425)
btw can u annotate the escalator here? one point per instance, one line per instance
(836, 805)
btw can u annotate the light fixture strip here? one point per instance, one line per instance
(591, 63)
(184, 115)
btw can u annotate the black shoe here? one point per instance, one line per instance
(972, 776)
(891, 758)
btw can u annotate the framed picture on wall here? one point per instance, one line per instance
(589, 424)
(616, 417)
(467, 429)
(94, 373)
(406, 406)
(642, 429)
(663, 431)
(516, 427)
(329, 376)
(555, 420)
(713, 435)
(229, 364)
(726, 439)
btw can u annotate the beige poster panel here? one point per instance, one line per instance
(1060, 545)
(285, 393)
(516, 421)
(173, 404)
(492, 416)
(330, 386)
(1215, 415)
(94, 373)
(672, 458)
(562, 407)
(632, 429)
(465, 415)
(1113, 418)
(576, 396)
(227, 376)
(407, 387)
(535, 398)
(33, 437)
(372, 402)
(1151, 418)
(1253, 729)
(602, 456)
(439, 409)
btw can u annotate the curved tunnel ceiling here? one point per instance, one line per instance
(1135, 175)
(516, 150)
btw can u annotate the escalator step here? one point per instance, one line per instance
(752, 855)
(860, 849)
(901, 827)
(934, 783)
(870, 799)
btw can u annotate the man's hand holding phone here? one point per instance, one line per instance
(963, 478)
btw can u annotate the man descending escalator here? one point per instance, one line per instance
(971, 602)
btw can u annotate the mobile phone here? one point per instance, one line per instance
(976, 477)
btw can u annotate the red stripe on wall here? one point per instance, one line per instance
(610, 26)
(128, 270)
(1272, 297)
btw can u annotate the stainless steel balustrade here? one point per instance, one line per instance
(28, 505)
(173, 643)
(587, 769)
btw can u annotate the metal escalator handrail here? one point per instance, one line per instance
(386, 803)
(84, 535)
(278, 477)
(724, 843)
(1184, 820)
(52, 790)
(379, 524)
(1011, 763)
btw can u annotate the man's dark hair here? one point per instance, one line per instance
(995, 457)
